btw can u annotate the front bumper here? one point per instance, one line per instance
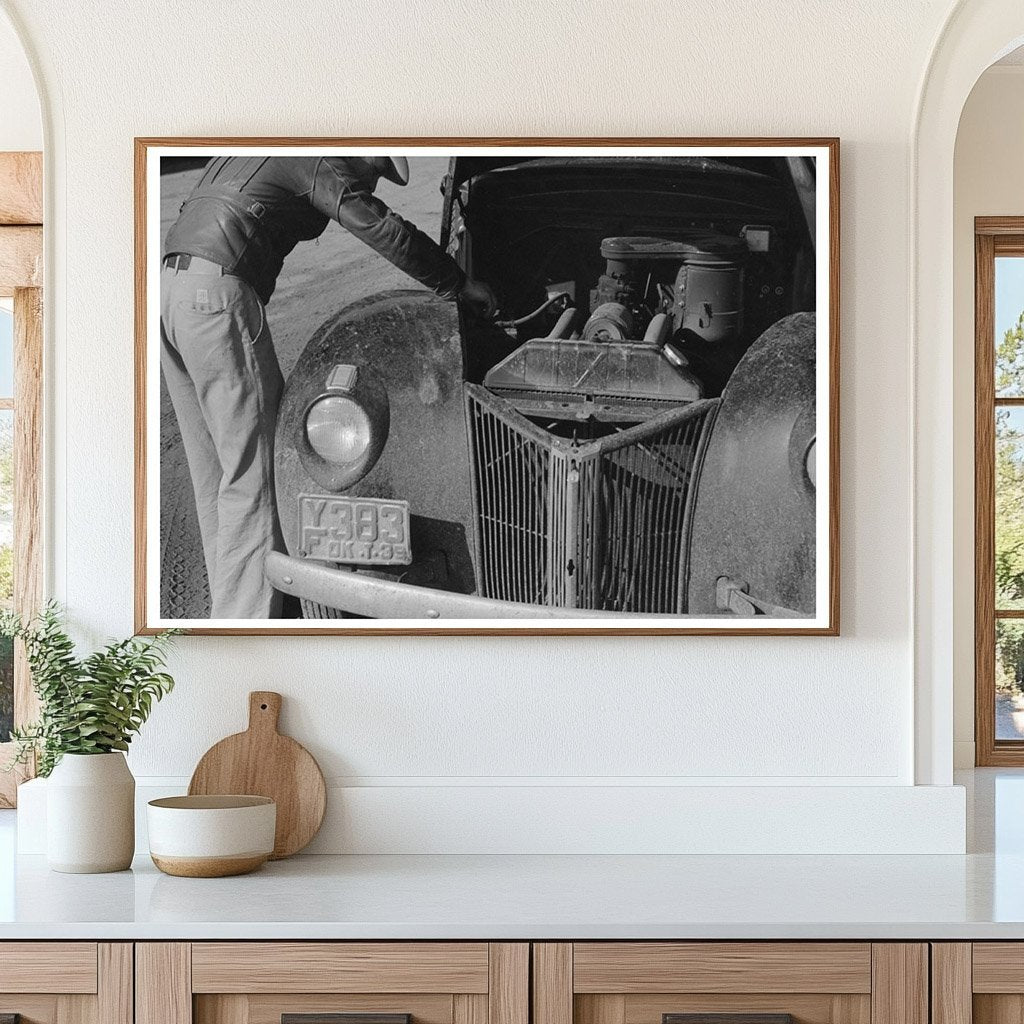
(374, 598)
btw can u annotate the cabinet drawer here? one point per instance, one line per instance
(65, 967)
(750, 967)
(333, 983)
(340, 967)
(730, 983)
(998, 968)
(769, 982)
(66, 982)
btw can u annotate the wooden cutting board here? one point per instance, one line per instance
(262, 762)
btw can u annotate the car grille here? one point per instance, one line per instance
(600, 525)
(315, 610)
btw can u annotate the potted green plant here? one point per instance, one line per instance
(90, 708)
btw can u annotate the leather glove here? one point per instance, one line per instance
(478, 297)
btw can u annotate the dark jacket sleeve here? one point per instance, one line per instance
(348, 201)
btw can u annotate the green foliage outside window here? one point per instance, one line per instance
(1009, 510)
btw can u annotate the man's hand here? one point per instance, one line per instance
(478, 297)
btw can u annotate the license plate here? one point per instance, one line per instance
(361, 531)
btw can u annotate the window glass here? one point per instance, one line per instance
(6, 352)
(1009, 495)
(1009, 511)
(1009, 327)
(1009, 679)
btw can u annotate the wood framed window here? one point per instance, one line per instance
(999, 490)
(21, 366)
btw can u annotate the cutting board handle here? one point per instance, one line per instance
(264, 710)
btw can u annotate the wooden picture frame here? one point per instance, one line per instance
(736, 612)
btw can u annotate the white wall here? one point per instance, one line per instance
(21, 127)
(440, 713)
(987, 181)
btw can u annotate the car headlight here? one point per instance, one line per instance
(338, 429)
(345, 427)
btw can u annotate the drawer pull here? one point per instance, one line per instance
(727, 1018)
(339, 1018)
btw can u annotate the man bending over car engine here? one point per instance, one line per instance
(222, 258)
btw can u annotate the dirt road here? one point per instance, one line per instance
(318, 278)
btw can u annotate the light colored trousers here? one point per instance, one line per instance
(225, 385)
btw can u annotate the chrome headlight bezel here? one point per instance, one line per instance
(361, 388)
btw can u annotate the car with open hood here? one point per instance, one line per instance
(635, 435)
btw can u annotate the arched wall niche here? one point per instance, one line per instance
(976, 34)
(986, 182)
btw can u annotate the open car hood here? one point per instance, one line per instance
(462, 168)
(795, 174)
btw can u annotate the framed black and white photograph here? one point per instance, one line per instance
(487, 386)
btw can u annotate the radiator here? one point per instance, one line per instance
(599, 525)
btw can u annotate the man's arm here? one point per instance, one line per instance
(356, 209)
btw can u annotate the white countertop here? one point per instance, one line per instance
(496, 897)
(977, 896)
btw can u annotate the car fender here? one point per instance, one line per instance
(409, 341)
(754, 514)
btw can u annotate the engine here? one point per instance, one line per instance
(697, 284)
(657, 311)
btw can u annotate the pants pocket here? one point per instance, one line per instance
(252, 313)
(258, 320)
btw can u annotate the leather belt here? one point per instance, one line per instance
(182, 261)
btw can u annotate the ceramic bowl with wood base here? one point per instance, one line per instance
(211, 836)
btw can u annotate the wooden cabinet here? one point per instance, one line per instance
(978, 983)
(512, 983)
(66, 982)
(755, 982)
(262, 982)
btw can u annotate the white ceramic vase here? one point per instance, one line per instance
(90, 814)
